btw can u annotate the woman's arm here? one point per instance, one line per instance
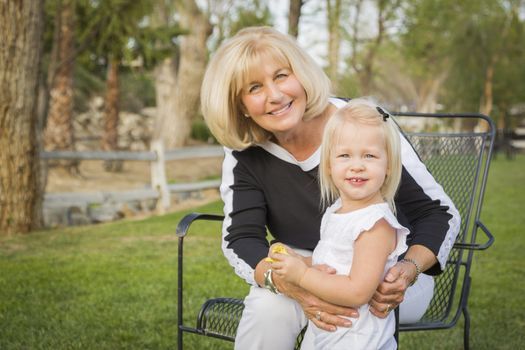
(434, 223)
(427, 210)
(371, 250)
(244, 242)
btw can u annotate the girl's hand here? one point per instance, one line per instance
(391, 291)
(280, 248)
(291, 268)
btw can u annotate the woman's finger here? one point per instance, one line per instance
(317, 319)
(390, 296)
(381, 310)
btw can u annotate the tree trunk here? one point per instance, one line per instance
(165, 79)
(364, 69)
(367, 73)
(487, 99)
(428, 93)
(293, 17)
(111, 114)
(20, 53)
(59, 129)
(334, 40)
(193, 57)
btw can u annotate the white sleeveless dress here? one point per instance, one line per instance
(336, 249)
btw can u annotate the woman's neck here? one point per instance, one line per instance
(304, 140)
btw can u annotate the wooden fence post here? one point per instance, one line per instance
(158, 176)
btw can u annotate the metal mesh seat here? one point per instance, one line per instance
(460, 162)
(220, 317)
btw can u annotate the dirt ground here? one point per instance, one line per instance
(135, 175)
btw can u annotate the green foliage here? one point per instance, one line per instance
(255, 14)
(348, 86)
(115, 22)
(426, 34)
(137, 91)
(242, 15)
(86, 85)
(200, 131)
(464, 38)
(113, 286)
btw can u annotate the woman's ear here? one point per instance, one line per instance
(242, 108)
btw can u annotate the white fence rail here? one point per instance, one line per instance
(159, 190)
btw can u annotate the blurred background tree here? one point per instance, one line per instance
(118, 22)
(20, 55)
(59, 127)
(417, 55)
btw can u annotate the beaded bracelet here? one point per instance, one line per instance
(418, 269)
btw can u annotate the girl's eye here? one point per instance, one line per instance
(369, 156)
(343, 155)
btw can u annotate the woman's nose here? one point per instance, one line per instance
(274, 92)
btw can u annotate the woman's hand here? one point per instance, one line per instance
(391, 291)
(324, 315)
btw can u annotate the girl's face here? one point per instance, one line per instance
(358, 164)
(274, 98)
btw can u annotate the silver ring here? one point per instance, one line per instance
(387, 308)
(318, 315)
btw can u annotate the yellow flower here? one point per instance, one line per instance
(278, 248)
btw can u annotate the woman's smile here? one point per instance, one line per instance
(282, 110)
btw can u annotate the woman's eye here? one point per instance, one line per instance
(253, 88)
(281, 76)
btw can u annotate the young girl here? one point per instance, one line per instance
(360, 236)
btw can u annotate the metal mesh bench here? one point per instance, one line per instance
(459, 161)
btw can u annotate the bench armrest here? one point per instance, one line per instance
(185, 223)
(182, 229)
(475, 246)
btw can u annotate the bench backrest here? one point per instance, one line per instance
(459, 161)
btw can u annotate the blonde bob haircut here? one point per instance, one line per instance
(231, 68)
(361, 112)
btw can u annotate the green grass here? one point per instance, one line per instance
(113, 286)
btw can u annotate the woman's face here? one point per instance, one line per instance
(274, 98)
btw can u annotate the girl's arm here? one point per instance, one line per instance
(371, 251)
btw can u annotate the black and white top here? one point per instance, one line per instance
(264, 188)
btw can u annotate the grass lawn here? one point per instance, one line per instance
(113, 286)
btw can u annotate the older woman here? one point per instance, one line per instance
(267, 102)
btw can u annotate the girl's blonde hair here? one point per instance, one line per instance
(361, 111)
(230, 69)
